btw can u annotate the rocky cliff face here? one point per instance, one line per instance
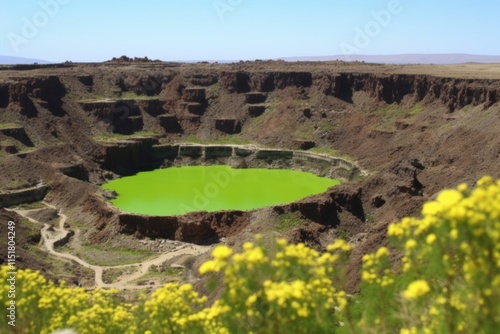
(243, 82)
(198, 227)
(452, 92)
(20, 95)
(128, 157)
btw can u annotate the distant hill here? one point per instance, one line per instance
(8, 60)
(450, 58)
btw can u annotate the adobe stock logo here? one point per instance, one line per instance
(31, 27)
(224, 6)
(372, 29)
(120, 112)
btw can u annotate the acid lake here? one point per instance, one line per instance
(179, 190)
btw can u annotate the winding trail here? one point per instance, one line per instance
(123, 283)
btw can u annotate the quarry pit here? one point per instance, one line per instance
(67, 129)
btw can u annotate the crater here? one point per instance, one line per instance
(192, 213)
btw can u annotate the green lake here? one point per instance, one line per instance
(178, 190)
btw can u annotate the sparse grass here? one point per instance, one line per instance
(233, 139)
(95, 98)
(12, 142)
(63, 269)
(170, 274)
(417, 109)
(112, 98)
(287, 222)
(325, 125)
(16, 183)
(111, 275)
(256, 123)
(222, 140)
(169, 271)
(110, 137)
(369, 218)
(325, 150)
(32, 206)
(32, 229)
(77, 224)
(192, 139)
(394, 112)
(331, 152)
(344, 235)
(467, 108)
(304, 131)
(113, 256)
(300, 103)
(134, 96)
(4, 126)
(213, 94)
(124, 96)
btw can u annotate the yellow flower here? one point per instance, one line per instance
(339, 244)
(431, 238)
(251, 300)
(462, 187)
(207, 267)
(410, 244)
(431, 208)
(248, 245)
(416, 289)
(281, 242)
(222, 252)
(381, 252)
(485, 181)
(449, 197)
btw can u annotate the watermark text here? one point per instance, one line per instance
(31, 26)
(11, 280)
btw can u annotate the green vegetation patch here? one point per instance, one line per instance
(4, 126)
(113, 256)
(111, 275)
(31, 206)
(113, 137)
(331, 152)
(156, 273)
(394, 112)
(288, 221)
(236, 139)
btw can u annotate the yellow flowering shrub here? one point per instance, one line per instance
(290, 290)
(447, 281)
(42, 307)
(167, 309)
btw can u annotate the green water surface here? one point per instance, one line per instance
(178, 190)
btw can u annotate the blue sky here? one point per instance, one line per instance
(91, 30)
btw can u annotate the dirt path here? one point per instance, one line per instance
(51, 236)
